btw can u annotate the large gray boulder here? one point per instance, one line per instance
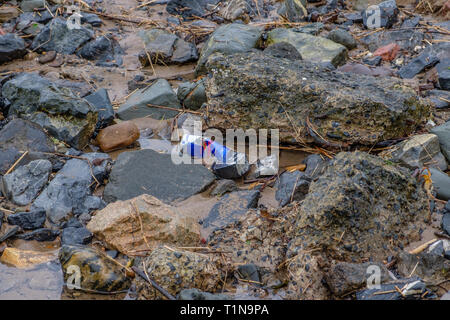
(149, 172)
(64, 115)
(229, 39)
(254, 90)
(372, 208)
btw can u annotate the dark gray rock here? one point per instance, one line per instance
(11, 47)
(224, 186)
(91, 18)
(195, 294)
(28, 220)
(354, 17)
(229, 39)
(417, 65)
(159, 93)
(312, 28)
(146, 171)
(68, 193)
(344, 277)
(407, 39)
(101, 102)
(296, 10)
(443, 133)
(430, 267)
(388, 291)
(375, 61)
(105, 50)
(192, 94)
(56, 36)
(342, 37)
(9, 233)
(388, 13)
(283, 50)
(24, 184)
(164, 47)
(184, 52)
(441, 184)
(418, 151)
(43, 234)
(65, 116)
(72, 235)
(234, 167)
(440, 98)
(189, 8)
(249, 272)
(20, 135)
(315, 166)
(291, 186)
(72, 223)
(446, 222)
(231, 207)
(412, 22)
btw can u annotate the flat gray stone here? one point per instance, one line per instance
(149, 172)
(160, 93)
(443, 133)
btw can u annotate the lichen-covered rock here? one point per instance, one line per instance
(117, 225)
(65, 116)
(175, 270)
(311, 48)
(92, 268)
(257, 238)
(372, 208)
(253, 90)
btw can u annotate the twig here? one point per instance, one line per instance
(153, 283)
(16, 163)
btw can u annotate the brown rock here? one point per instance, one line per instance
(25, 258)
(47, 57)
(122, 225)
(387, 53)
(7, 13)
(117, 136)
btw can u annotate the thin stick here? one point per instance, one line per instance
(153, 283)
(16, 163)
